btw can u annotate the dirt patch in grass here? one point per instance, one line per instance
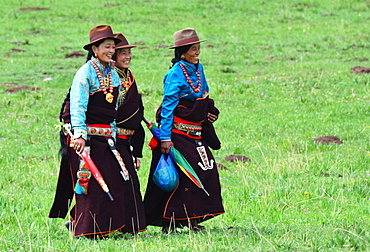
(17, 50)
(302, 5)
(21, 43)
(360, 70)
(221, 167)
(75, 54)
(33, 9)
(110, 5)
(236, 158)
(332, 175)
(357, 59)
(16, 89)
(328, 140)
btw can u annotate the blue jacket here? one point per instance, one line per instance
(84, 84)
(176, 86)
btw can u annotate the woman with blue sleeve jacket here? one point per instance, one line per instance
(186, 119)
(91, 112)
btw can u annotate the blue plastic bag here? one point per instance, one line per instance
(165, 175)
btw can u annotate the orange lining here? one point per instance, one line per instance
(101, 90)
(196, 217)
(187, 218)
(100, 234)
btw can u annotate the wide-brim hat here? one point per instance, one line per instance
(124, 43)
(100, 32)
(184, 37)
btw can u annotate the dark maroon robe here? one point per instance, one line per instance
(129, 116)
(94, 214)
(187, 201)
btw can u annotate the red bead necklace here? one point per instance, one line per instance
(104, 82)
(196, 89)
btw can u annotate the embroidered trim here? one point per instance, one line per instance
(207, 164)
(117, 155)
(188, 129)
(128, 118)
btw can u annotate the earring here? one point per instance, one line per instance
(182, 57)
(95, 54)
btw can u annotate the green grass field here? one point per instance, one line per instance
(280, 73)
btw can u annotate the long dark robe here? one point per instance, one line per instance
(187, 201)
(129, 116)
(94, 214)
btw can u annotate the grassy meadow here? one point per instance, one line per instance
(280, 73)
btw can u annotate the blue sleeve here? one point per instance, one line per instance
(79, 101)
(172, 84)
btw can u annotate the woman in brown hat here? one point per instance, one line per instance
(130, 134)
(186, 122)
(91, 112)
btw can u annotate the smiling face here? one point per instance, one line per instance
(104, 51)
(192, 54)
(124, 57)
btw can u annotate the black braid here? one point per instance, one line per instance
(63, 150)
(64, 104)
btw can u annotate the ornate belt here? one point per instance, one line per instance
(99, 131)
(187, 127)
(125, 132)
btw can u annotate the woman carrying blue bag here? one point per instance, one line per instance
(186, 119)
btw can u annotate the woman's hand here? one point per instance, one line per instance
(79, 144)
(211, 118)
(165, 146)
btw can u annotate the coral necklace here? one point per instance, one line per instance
(196, 89)
(104, 82)
(125, 80)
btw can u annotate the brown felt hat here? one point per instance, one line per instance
(100, 32)
(184, 37)
(124, 43)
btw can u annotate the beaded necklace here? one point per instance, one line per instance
(196, 89)
(125, 80)
(104, 82)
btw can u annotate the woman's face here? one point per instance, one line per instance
(192, 54)
(124, 57)
(104, 51)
